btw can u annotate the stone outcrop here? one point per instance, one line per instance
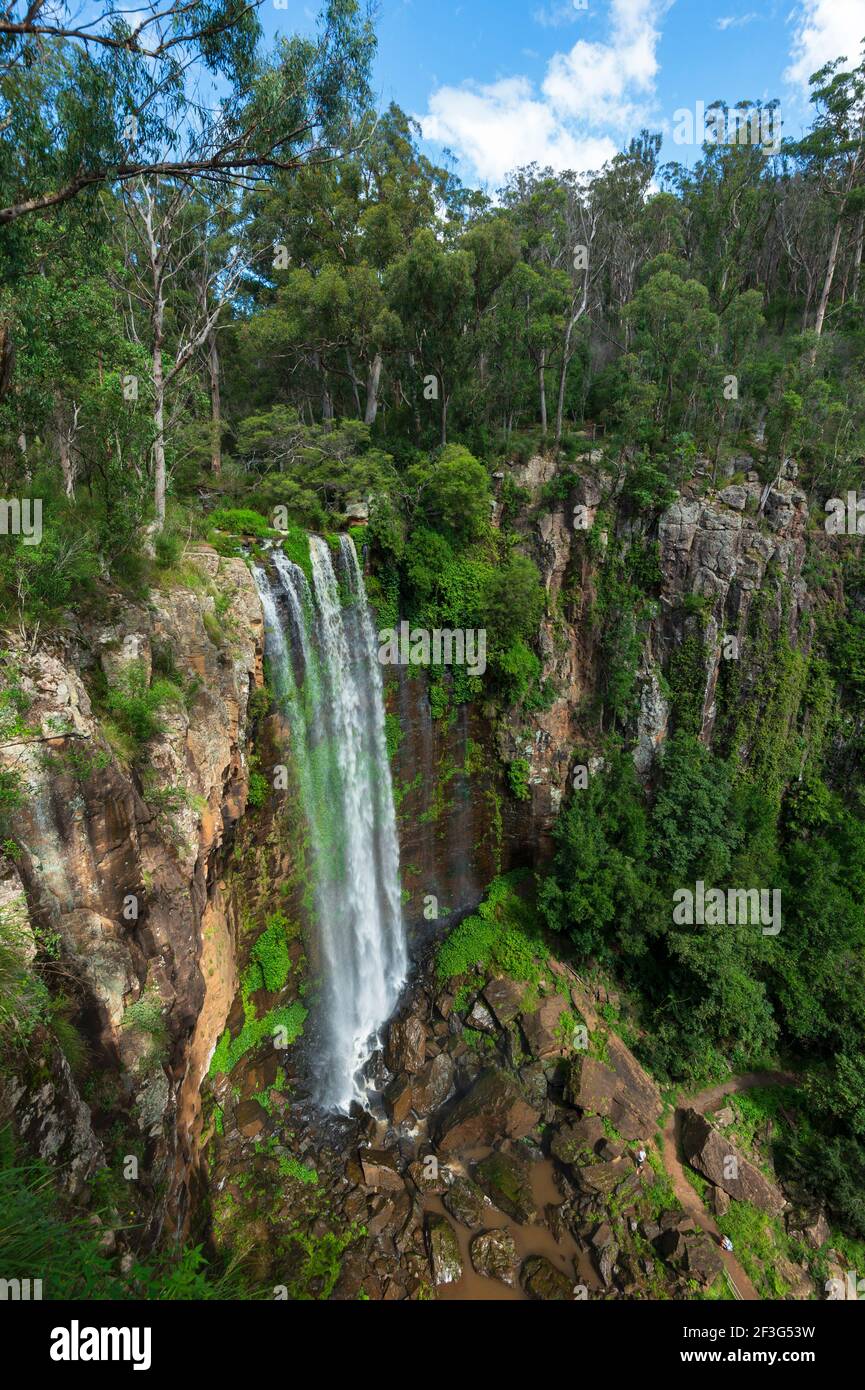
(543, 1028)
(406, 1045)
(714, 1155)
(506, 1179)
(618, 1088)
(120, 862)
(466, 1203)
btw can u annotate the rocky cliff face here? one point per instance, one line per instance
(116, 861)
(718, 549)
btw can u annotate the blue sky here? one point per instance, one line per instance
(503, 82)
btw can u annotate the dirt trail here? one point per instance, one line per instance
(686, 1194)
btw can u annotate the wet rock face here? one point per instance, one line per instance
(506, 1179)
(493, 1109)
(444, 1251)
(433, 1085)
(406, 1046)
(120, 863)
(714, 1155)
(542, 1280)
(494, 1255)
(466, 1203)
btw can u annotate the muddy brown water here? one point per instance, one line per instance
(533, 1239)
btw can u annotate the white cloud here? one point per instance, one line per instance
(502, 125)
(593, 92)
(737, 21)
(825, 29)
(565, 12)
(597, 81)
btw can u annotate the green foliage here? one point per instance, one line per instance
(24, 999)
(318, 1262)
(270, 954)
(518, 779)
(393, 734)
(503, 934)
(258, 790)
(456, 493)
(134, 703)
(291, 1167)
(602, 839)
(41, 1237)
(622, 609)
(687, 681)
(295, 544)
(694, 832)
(286, 1021)
(260, 702)
(241, 521)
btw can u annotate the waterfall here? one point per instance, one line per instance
(323, 663)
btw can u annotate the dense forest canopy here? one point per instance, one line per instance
(211, 308)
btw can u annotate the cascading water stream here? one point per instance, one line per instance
(324, 668)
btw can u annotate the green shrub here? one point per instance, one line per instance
(518, 779)
(241, 521)
(135, 705)
(291, 1167)
(270, 953)
(260, 702)
(229, 1051)
(24, 999)
(258, 789)
(503, 933)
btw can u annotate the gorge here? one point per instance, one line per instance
(432, 672)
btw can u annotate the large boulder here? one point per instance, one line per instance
(506, 1178)
(591, 1085)
(714, 1155)
(637, 1102)
(602, 1178)
(693, 1253)
(505, 998)
(494, 1255)
(493, 1109)
(432, 1086)
(250, 1119)
(466, 1203)
(380, 1170)
(481, 1019)
(397, 1098)
(406, 1044)
(576, 1143)
(542, 1280)
(443, 1249)
(427, 1175)
(618, 1088)
(809, 1225)
(543, 1028)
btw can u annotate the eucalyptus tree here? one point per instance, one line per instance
(833, 153)
(174, 89)
(175, 291)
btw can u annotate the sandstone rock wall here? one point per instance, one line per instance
(119, 863)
